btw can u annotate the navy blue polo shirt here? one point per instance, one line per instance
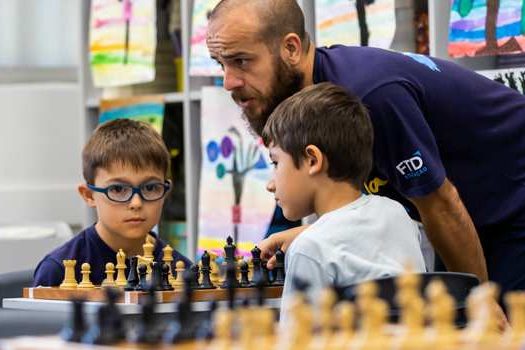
(87, 246)
(434, 119)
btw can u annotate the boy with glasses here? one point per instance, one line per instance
(125, 163)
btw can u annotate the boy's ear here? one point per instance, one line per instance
(171, 186)
(86, 194)
(315, 160)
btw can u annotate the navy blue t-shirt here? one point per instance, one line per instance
(87, 246)
(434, 119)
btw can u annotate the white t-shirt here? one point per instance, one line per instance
(371, 237)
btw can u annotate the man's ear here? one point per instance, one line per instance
(314, 159)
(291, 49)
(86, 194)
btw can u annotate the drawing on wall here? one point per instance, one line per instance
(200, 62)
(234, 173)
(355, 22)
(513, 78)
(149, 109)
(486, 27)
(122, 42)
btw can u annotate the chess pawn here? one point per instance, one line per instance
(279, 268)
(85, 271)
(245, 281)
(441, 311)
(516, 305)
(215, 276)
(206, 271)
(345, 320)
(143, 284)
(110, 272)
(327, 299)
(178, 283)
(256, 261)
(168, 259)
(69, 274)
(121, 269)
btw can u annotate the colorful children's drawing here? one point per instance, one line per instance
(149, 109)
(200, 62)
(234, 173)
(355, 22)
(486, 27)
(122, 41)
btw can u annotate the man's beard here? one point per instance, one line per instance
(285, 82)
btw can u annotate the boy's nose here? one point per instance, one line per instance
(270, 186)
(135, 201)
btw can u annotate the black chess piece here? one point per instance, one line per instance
(230, 284)
(183, 327)
(229, 250)
(143, 282)
(133, 277)
(165, 274)
(102, 332)
(147, 331)
(206, 270)
(114, 321)
(76, 328)
(256, 261)
(205, 331)
(195, 275)
(156, 276)
(245, 282)
(279, 268)
(265, 273)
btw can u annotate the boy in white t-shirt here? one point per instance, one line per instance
(320, 142)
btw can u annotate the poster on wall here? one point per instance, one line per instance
(149, 109)
(122, 42)
(486, 27)
(513, 78)
(235, 169)
(200, 62)
(355, 22)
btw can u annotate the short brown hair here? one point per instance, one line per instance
(329, 117)
(277, 17)
(124, 141)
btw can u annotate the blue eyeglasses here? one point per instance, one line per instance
(121, 193)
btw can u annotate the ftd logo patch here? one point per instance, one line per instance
(413, 166)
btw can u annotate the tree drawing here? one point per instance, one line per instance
(243, 161)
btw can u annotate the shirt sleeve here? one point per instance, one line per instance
(405, 149)
(48, 273)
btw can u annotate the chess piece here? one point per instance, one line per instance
(179, 280)
(195, 275)
(206, 270)
(265, 273)
(148, 247)
(214, 270)
(245, 282)
(110, 272)
(345, 321)
(230, 281)
(115, 324)
(146, 331)
(165, 273)
(229, 251)
(69, 274)
(183, 327)
(85, 271)
(516, 306)
(412, 311)
(482, 327)
(441, 311)
(133, 277)
(121, 269)
(223, 321)
(168, 259)
(256, 261)
(75, 329)
(143, 284)
(373, 311)
(279, 268)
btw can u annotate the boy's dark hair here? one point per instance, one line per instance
(329, 117)
(124, 141)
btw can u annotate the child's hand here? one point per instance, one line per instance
(278, 240)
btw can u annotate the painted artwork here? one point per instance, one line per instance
(355, 22)
(234, 172)
(513, 78)
(122, 42)
(486, 27)
(200, 62)
(149, 109)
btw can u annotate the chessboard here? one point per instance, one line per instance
(136, 297)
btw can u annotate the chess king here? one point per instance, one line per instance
(125, 164)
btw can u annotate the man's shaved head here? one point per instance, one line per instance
(276, 17)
